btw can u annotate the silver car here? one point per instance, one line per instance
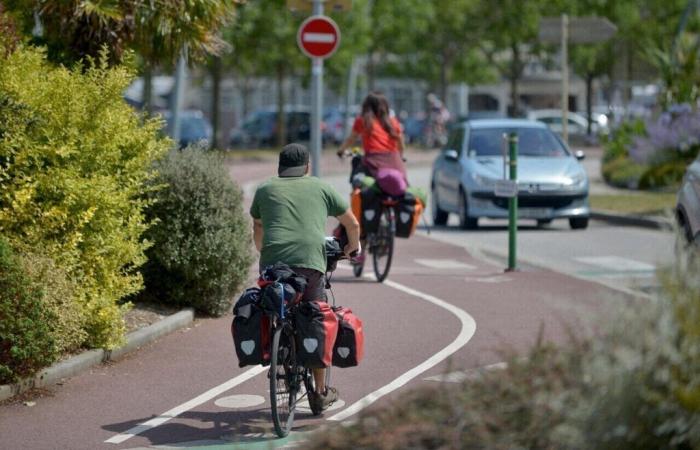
(688, 208)
(552, 184)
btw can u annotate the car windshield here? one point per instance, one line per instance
(535, 142)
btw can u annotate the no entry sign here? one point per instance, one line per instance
(318, 37)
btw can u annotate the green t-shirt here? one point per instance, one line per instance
(293, 211)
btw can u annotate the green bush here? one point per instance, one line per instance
(664, 175)
(26, 341)
(74, 158)
(201, 239)
(617, 144)
(58, 299)
(623, 172)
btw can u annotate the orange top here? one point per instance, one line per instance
(377, 139)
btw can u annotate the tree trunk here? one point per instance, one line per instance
(370, 71)
(216, 103)
(514, 76)
(147, 97)
(281, 119)
(444, 79)
(589, 103)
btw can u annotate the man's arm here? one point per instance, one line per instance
(258, 233)
(348, 220)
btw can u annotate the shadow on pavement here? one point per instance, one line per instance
(225, 427)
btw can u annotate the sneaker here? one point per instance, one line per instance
(359, 259)
(321, 402)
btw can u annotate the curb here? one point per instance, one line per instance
(632, 220)
(79, 363)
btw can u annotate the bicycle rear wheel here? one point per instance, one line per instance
(383, 248)
(284, 380)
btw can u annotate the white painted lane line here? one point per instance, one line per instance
(171, 414)
(465, 334)
(616, 263)
(444, 264)
(462, 375)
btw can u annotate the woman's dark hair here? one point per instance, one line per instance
(376, 106)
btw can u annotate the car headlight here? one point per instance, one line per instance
(576, 181)
(483, 181)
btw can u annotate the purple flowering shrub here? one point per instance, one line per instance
(673, 136)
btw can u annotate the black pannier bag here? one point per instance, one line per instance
(349, 344)
(250, 330)
(283, 273)
(371, 210)
(274, 295)
(317, 327)
(407, 214)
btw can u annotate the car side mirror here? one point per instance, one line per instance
(579, 155)
(452, 155)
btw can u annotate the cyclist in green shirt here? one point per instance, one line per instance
(289, 214)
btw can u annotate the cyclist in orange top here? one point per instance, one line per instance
(381, 136)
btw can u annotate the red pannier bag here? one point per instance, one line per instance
(349, 346)
(317, 328)
(251, 330)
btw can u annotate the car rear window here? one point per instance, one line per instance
(536, 142)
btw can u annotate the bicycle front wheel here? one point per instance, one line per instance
(383, 250)
(284, 385)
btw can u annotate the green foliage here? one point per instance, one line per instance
(623, 172)
(73, 161)
(665, 174)
(58, 300)
(26, 341)
(201, 249)
(75, 29)
(636, 385)
(618, 168)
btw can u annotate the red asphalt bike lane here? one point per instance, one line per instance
(401, 330)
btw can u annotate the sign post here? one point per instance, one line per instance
(576, 30)
(318, 38)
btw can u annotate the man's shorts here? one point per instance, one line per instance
(316, 287)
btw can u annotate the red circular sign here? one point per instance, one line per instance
(318, 37)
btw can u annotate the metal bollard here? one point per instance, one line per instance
(513, 204)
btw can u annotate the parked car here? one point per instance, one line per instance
(194, 127)
(414, 130)
(334, 123)
(577, 124)
(259, 129)
(688, 204)
(552, 184)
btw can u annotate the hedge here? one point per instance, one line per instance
(74, 158)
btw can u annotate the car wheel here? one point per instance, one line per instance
(466, 222)
(439, 216)
(578, 223)
(543, 222)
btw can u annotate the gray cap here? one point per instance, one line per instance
(293, 161)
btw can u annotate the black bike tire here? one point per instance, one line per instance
(282, 427)
(389, 242)
(357, 269)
